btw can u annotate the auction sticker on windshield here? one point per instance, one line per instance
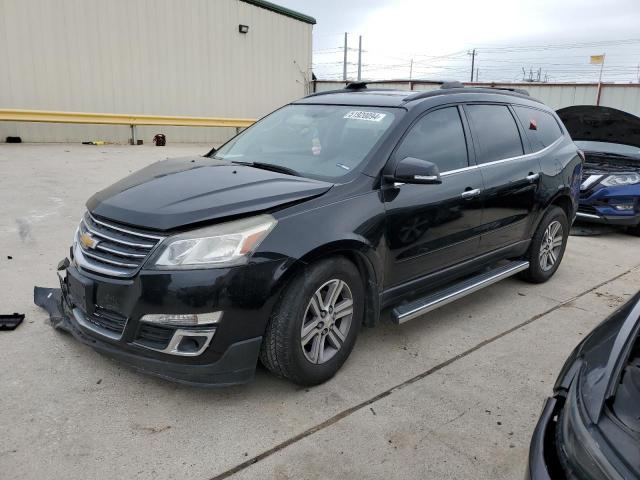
(362, 115)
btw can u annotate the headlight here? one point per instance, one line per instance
(219, 245)
(620, 180)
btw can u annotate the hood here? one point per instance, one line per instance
(601, 124)
(183, 191)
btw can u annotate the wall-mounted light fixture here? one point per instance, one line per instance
(243, 28)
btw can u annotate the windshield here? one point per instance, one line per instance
(319, 141)
(606, 147)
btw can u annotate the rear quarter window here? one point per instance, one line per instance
(495, 132)
(541, 127)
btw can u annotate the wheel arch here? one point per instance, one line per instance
(362, 256)
(563, 200)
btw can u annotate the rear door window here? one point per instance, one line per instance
(439, 138)
(542, 129)
(495, 132)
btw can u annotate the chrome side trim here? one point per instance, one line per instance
(81, 318)
(178, 335)
(124, 230)
(404, 313)
(496, 162)
(587, 215)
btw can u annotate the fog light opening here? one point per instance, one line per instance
(191, 344)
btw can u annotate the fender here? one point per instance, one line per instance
(362, 254)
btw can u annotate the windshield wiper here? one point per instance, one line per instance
(270, 166)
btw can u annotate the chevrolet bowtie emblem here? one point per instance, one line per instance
(88, 241)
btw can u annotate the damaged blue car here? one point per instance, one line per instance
(610, 140)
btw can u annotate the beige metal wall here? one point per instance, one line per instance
(624, 97)
(157, 57)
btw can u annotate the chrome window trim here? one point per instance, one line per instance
(496, 162)
(458, 170)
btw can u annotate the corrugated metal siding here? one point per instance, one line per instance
(624, 97)
(162, 57)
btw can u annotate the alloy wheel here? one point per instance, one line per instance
(551, 245)
(327, 320)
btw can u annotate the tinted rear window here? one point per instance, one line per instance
(496, 132)
(542, 129)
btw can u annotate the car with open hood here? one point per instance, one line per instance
(283, 242)
(610, 140)
(590, 427)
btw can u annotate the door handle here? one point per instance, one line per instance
(470, 193)
(532, 177)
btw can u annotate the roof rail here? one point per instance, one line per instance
(521, 91)
(480, 89)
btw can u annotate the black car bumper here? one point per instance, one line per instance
(105, 313)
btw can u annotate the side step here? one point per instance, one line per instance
(409, 311)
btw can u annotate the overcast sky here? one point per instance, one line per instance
(395, 31)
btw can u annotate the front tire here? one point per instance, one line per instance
(314, 325)
(547, 246)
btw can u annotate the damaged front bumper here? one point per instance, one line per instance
(107, 314)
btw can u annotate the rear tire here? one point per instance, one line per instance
(634, 230)
(314, 325)
(547, 246)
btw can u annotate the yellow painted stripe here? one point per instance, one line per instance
(15, 115)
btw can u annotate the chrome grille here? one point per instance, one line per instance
(109, 249)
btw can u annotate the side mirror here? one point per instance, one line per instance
(415, 170)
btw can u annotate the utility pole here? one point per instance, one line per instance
(344, 65)
(473, 61)
(360, 58)
(411, 70)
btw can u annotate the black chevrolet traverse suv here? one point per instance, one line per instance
(279, 245)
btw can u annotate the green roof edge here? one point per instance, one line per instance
(282, 10)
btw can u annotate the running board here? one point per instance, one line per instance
(409, 311)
